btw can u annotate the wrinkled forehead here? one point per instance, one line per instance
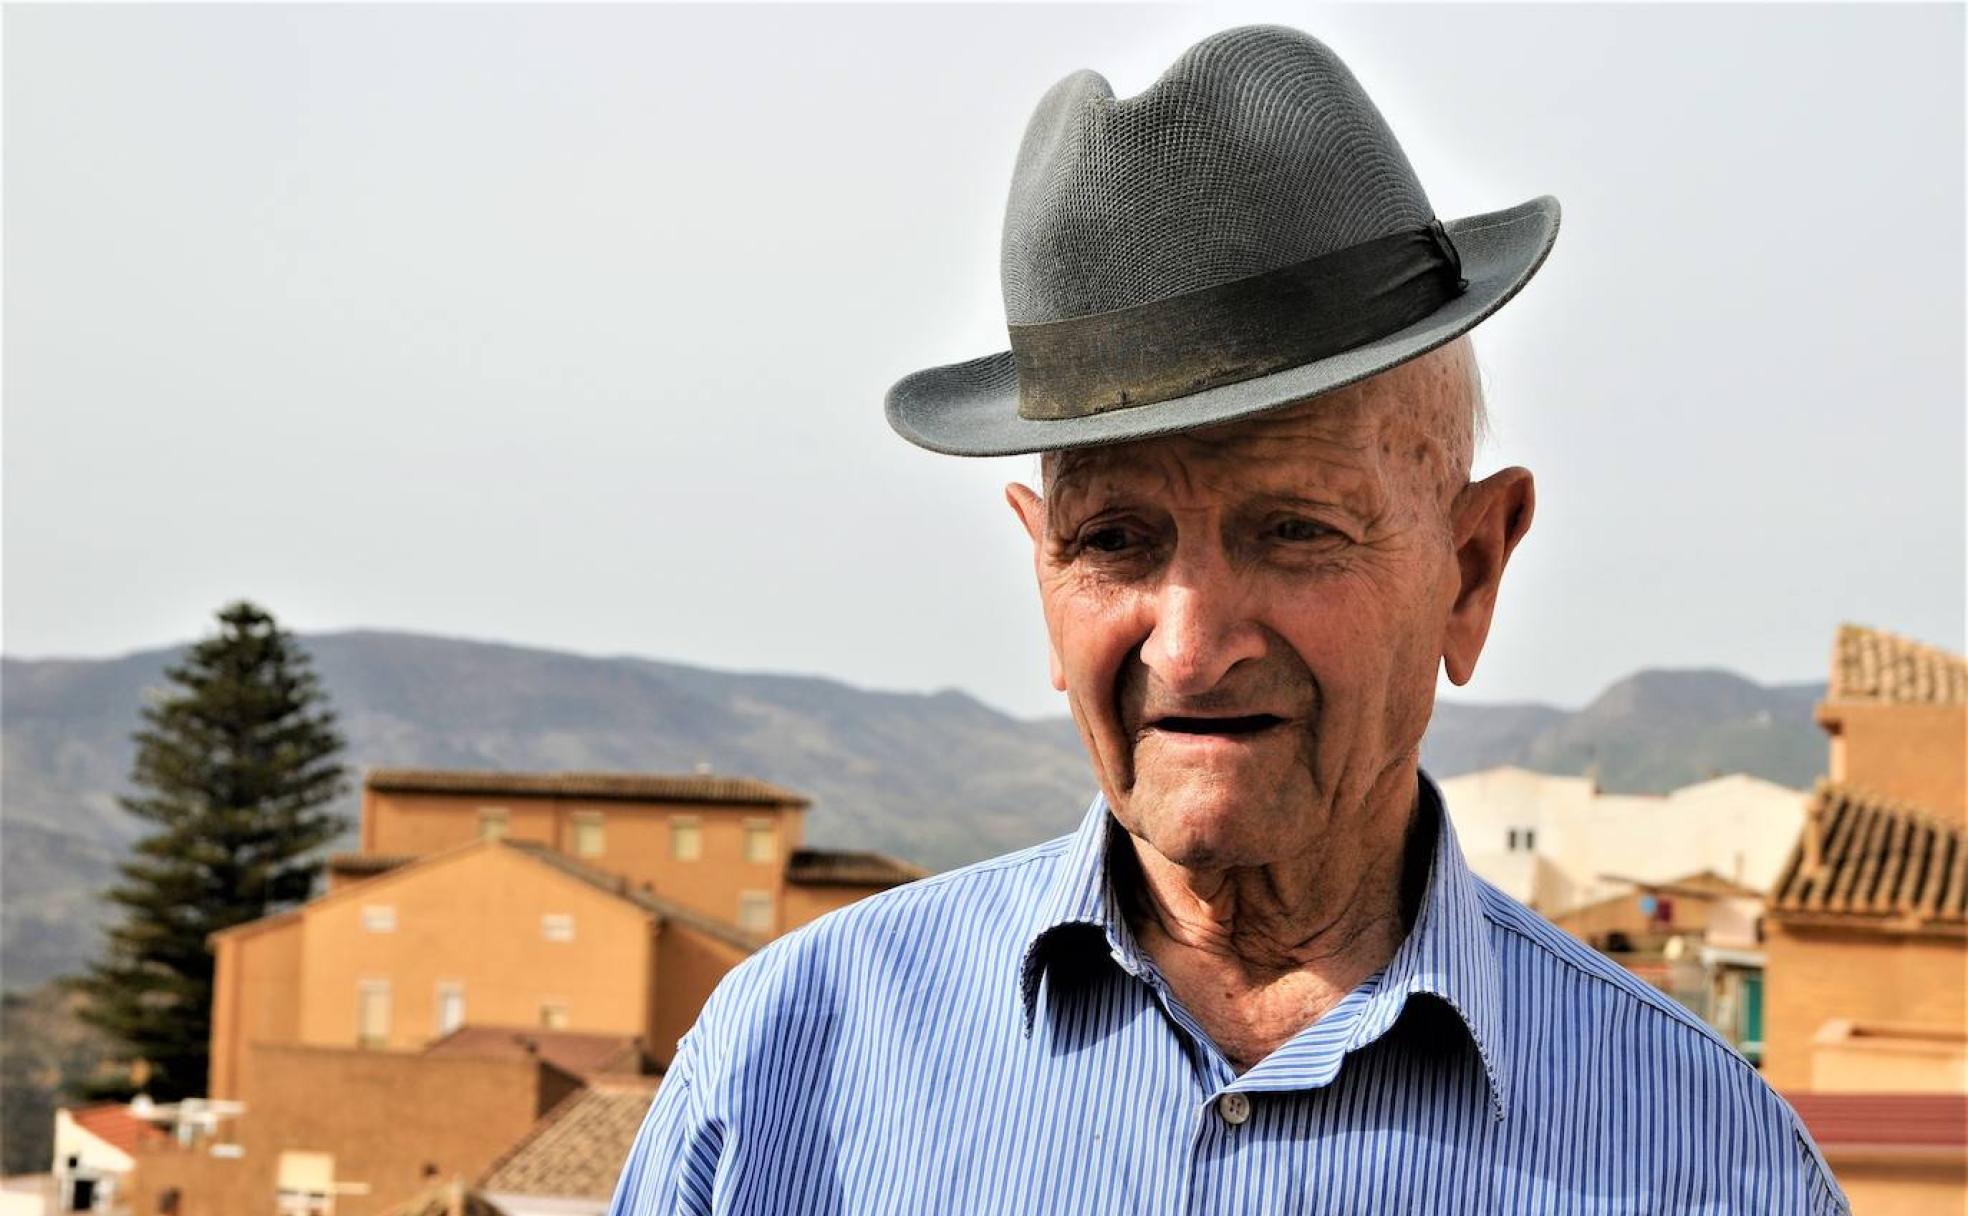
(1326, 447)
(1407, 430)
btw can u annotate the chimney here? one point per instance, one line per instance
(1814, 833)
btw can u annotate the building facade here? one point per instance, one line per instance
(1867, 931)
(502, 943)
(1559, 843)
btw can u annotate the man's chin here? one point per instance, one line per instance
(1209, 829)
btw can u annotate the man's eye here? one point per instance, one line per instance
(1108, 540)
(1300, 530)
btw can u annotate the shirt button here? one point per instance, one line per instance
(1235, 1108)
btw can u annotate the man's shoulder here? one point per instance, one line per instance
(901, 915)
(1554, 984)
(958, 927)
(1530, 943)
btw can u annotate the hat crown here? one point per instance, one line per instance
(1257, 149)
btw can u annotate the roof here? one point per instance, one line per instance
(273, 920)
(641, 897)
(451, 1198)
(1929, 1121)
(1880, 860)
(616, 885)
(836, 867)
(577, 1149)
(575, 1052)
(1873, 665)
(113, 1124)
(1705, 884)
(369, 863)
(637, 787)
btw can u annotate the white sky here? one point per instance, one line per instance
(570, 327)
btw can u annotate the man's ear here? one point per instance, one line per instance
(1489, 517)
(1031, 511)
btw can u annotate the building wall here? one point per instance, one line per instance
(1926, 1063)
(1585, 841)
(394, 1122)
(1883, 1184)
(476, 920)
(808, 903)
(1817, 974)
(1916, 753)
(203, 1185)
(690, 963)
(256, 995)
(1622, 914)
(636, 840)
(637, 843)
(416, 824)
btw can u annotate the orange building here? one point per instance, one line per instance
(728, 847)
(1867, 930)
(1897, 714)
(502, 941)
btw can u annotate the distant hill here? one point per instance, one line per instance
(941, 779)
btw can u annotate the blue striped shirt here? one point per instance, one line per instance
(993, 1040)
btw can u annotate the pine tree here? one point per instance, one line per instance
(235, 769)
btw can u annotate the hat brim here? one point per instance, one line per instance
(971, 409)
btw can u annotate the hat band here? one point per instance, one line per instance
(1234, 331)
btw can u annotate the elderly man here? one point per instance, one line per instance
(1260, 978)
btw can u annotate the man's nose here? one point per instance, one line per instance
(1202, 624)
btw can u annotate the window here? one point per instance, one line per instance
(755, 911)
(557, 927)
(1530, 839)
(1524, 839)
(302, 1203)
(553, 1015)
(379, 918)
(587, 834)
(372, 1019)
(761, 841)
(686, 838)
(450, 1006)
(1513, 841)
(305, 1184)
(493, 822)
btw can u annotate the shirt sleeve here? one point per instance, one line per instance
(1826, 1197)
(672, 1167)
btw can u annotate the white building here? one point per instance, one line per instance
(1559, 842)
(92, 1154)
(27, 1195)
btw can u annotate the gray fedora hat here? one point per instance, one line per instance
(1244, 234)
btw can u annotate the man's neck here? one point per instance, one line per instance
(1259, 953)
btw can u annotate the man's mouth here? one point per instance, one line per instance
(1244, 724)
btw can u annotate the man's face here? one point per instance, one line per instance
(1247, 620)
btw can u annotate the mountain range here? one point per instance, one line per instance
(941, 779)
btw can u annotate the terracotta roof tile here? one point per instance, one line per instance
(368, 863)
(1877, 859)
(577, 1149)
(653, 787)
(1873, 665)
(112, 1123)
(581, 1054)
(1884, 1120)
(835, 867)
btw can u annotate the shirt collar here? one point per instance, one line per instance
(1447, 954)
